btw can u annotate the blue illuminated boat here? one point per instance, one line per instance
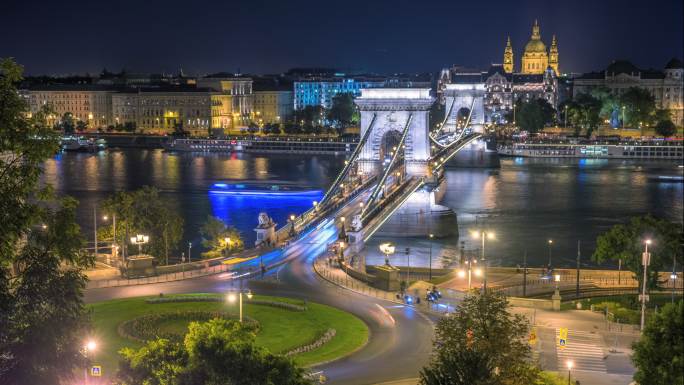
(261, 189)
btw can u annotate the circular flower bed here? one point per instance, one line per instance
(146, 327)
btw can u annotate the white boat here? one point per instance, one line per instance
(671, 150)
(82, 144)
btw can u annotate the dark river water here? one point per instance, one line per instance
(525, 202)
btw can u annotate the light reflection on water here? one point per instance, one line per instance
(528, 201)
(187, 178)
(525, 202)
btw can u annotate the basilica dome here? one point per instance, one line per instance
(535, 46)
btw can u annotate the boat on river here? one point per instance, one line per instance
(262, 189)
(82, 144)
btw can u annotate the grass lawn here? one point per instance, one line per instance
(625, 307)
(281, 330)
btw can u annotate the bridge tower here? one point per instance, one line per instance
(393, 109)
(467, 98)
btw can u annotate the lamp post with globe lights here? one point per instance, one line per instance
(645, 261)
(88, 347)
(387, 248)
(232, 297)
(140, 240)
(482, 235)
(570, 364)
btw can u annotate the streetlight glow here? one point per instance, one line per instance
(231, 297)
(648, 241)
(90, 346)
(570, 364)
(478, 272)
(461, 274)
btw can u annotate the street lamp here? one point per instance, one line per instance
(387, 249)
(645, 261)
(550, 242)
(114, 248)
(570, 364)
(431, 236)
(292, 222)
(140, 240)
(89, 346)
(343, 230)
(482, 235)
(556, 278)
(232, 297)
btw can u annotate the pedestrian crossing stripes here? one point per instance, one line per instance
(584, 349)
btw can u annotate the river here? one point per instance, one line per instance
(525, 202)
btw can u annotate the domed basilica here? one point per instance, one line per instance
(536, 59)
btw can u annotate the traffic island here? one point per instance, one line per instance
(308, 332)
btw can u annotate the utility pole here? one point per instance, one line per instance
(645, 260)
(619, 269)
(525, 274)
(95, 227)
(578, 270)
(408, 266)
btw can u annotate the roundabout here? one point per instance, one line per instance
(310, 333)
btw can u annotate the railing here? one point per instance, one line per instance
(158, 278)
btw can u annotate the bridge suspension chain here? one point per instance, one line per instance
(349, 163)
(395, 155)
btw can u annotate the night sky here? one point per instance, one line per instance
(270, 36)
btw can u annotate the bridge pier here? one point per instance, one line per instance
(480, 153)
(421, 216)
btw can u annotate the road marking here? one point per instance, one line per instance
(584, 349)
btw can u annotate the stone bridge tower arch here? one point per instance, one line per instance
(392, 108)
(465, 95)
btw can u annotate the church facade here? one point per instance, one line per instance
(537, 78)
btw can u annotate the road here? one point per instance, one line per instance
(400, 337)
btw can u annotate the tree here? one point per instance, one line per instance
(481, 328)
(463, 367)
(160, 361)
(41, 271)
(215, 352)
(626, 242)
(81, 125)
(659, 353)
(531, 116)
(67, 123)
(665, 128)
(144, 211)
(342, 110)
(214, 234)
(639, 106)
(583, 113)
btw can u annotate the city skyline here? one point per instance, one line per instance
(374, 38)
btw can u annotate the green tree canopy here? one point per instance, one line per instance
(639, 106)
(533, 115)
(216, 352)
(626, 242)
(583, 113)
(659, 353)
(42, 316)
(67, 123)
(665, 128)
(482, 327)
(219, 238)
(342, 110)
(146, 212)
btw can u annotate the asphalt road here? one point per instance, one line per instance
(400, 337)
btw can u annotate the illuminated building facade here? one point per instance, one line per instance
(665, 85)
(232, 100)
(87, 103)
